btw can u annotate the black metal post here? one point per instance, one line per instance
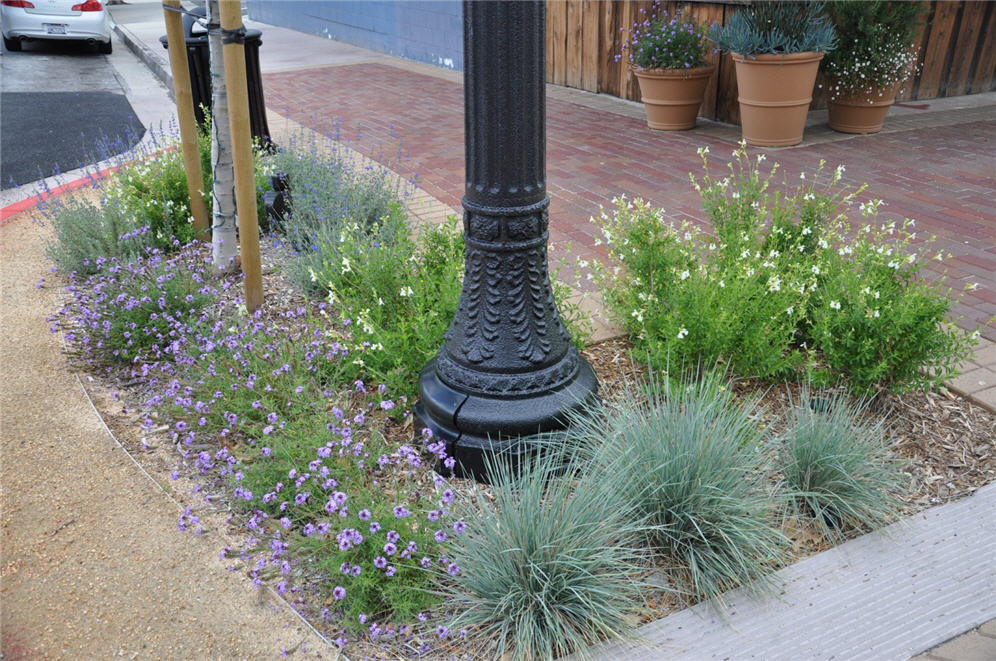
(507, 368)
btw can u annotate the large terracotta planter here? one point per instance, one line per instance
(863, 112)
(774, 93)
(672, 97)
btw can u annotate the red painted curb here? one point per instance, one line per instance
(23, 205)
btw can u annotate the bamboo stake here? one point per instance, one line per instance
(245, 184)
(185, 115)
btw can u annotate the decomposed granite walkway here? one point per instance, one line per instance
(92, 563)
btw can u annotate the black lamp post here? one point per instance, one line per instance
(507, 368)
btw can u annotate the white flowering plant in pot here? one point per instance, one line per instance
(876, 50)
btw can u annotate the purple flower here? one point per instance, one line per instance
(440, 536)
(442, 632)
(380, 562)
(338, 593)
(390, 549)
(390, 571)
(400, 512)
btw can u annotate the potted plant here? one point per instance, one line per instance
(876, 55)
(668, 59)
(777, 48)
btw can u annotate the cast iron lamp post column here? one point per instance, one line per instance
(507, 368)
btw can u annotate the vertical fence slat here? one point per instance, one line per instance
(549, 44)
(908, 89)
(556, 17)
(590, 44)
(984, 79)
(938, 43)
(959, 76)
(572, 77)
(608, 79)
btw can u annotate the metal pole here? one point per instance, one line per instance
(177, 44)
(507, 368)
(245, 185)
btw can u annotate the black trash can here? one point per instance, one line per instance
(199, 63)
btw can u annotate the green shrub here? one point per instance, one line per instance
(86, 232)
(783, 283)
(690, 461)
(152, 191)
(545, 567)
(838, 465)
(396, 293)
(878, 322)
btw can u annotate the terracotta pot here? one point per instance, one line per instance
(863, 112)
(774, 93)
(672, 97)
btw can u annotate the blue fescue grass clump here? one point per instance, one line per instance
(547, 566)
(692, 463)
(838, 464)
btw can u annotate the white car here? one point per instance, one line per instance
(84, 20)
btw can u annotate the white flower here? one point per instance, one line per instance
(638, 315)
(345, 265)
(790, 310)
(406, 291)
(682, 333)
(802, 175)
(835, 305)
(685, 274)
(816, 269)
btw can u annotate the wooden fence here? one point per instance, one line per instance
(584, 37)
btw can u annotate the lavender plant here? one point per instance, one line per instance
(86, 232)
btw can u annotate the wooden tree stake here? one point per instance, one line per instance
(185, 115)
(245, 184)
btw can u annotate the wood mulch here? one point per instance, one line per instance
(947, 440)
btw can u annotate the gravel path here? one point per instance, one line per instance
(91, 562)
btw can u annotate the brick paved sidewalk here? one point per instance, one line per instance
(944, 177)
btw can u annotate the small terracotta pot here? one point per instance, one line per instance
(672, 97)
(774, 93)
(863, 112)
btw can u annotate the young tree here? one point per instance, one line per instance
(223, 225)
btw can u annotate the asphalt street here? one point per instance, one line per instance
(62, 106)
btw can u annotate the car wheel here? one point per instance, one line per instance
(12, 44)
(105, 48)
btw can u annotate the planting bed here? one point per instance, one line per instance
(947, 441)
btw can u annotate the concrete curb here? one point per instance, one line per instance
(145, 54)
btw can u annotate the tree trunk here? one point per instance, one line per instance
(223, 226)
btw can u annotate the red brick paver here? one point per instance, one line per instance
(943, 177)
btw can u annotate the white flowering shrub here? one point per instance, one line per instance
(152, 190)
(783, 285)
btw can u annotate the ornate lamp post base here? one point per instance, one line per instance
(474, 425)
(507, 369)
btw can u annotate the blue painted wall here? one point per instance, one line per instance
(422, 30)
